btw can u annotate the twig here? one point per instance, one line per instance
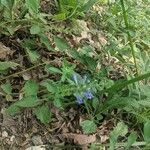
(23, 71)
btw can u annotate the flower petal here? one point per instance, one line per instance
(88, 94)
(79, 99)
(74, 77)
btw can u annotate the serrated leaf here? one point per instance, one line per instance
(31, 88)
(52, 69)
(61, 44)
(6, 65)
(33, 6)
(7, 88)
(88, 126)
(43, 113)
(30, 101)
(147, 131)
(33, 55)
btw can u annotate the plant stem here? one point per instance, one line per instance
(128, 33)
(23, 71)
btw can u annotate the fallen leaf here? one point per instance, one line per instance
(80, 139)
(8, 121)
(4, 51)
(37, 140)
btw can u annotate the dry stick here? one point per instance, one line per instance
(23, 71)
(128, 33)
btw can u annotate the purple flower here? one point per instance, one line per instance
(79, 99)
(88, 94)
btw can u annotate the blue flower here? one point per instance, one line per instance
(88, 94)
(79, 99)
(85, 94)
(74, 77)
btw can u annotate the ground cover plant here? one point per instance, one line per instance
(75, 74)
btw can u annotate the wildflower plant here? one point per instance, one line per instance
(81, 83)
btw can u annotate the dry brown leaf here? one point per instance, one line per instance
(102, 39)
(37, 140)
(4, 51)
(85, 34)
(8, 121)
(81, 139)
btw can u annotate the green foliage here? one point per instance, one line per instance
(33, 6)
(31, 88)
(7, 88)
(88, 126)
(43, 113)
(147, 131)
(33, 55)
(73, 8)
(61, 44)
(120, 130)
(6, 65)
(131, 139)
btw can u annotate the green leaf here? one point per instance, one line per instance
(13, 110)
(88, 5)
(35, 29)
(33, 55)
(52, 69)
(33, 6)
(31, 88)
(51, 87)
(60, 16)
(7, 64)
(61, 44)
(145, 103)
(43, 113)
(7, 3)
(147, 131)
(58, 103)
(6, 88)
(88, 126)
(120, 130)
(44, 40)
(123, 83)
(131, 139)
(30, 101)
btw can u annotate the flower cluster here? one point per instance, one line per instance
(85, 94)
